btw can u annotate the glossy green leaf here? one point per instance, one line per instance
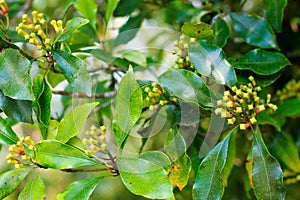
(254, 30)
(187, 86)
(209, 183)
(143, 177)
(180, 171)
(129, 102)
(52, 129)
(42, 103)
(157, 157)
(34, 189)
(125, 7)
(56, 155)
(262, 62)
(200, 31)
(285, 149)
(111, 6)
(71, 124)
(10, 180)
(7, 135)
(210, 61)
(88, 9)
(80, 189)
(274, 11)
(18, 110)
(289, 108)
(15, 81)
(266, 173)
(221, 31)
(263, 118)
(71, 26)
(74, 70)
(76, 142)
(134, 56)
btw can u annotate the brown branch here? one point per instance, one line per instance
(83, 95)
(22, 11)
(84, 170)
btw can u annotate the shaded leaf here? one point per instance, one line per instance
(186, 86)
(175, 145)
(7, 135)
(134, 56)
(71, 124)
(74, 71)
(15, 81)
(180, 171)
(263, 118)
(10, 180)
(266, 171)
(221, 31)
(274, 10)
(289, 108)
(42, 103)
(210, 61)
(254, 30)
(125, 7)
(157, 157)
(111, 6)
(262, 62)
(56, 155)
(80, 189)
(34, 189)
(143, 177)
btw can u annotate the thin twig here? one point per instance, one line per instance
(84, 170)
(22, 11)
(83, 95)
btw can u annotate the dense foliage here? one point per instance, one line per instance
(157, 99)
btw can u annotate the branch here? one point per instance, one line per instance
(84, 95)
(84, 170)
(23, 10)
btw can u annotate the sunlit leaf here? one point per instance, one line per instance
(7, 135)
(34, 189)
(200, 31)
(180, 171)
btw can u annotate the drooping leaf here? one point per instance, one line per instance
(15, 81)
(143, 177)
(285, 149)
(221, 31)
(274, 10)
(18, 110)
(111, 6)
(42, 103)
(7, 135)
(128, 103)
(34, 189)
(208, 182)
(10, 180)
(88, 9)
(266, 172)
(210, 61)
(71, 26)
(74, 71)
(254, 30)
(71, 124)
(56, 155)
(180, 171)
(125, 7)
(262, 62)
(80, 189)
(186, 86)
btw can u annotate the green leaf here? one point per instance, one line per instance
(88, 9)
(209, 183)
(134, 56)
(125, 7)
(200, 31)
(289, 108)
(68, 4)
(180, 171)
(129, 102)
(221, 31)
(15, 81)
(56, 155)
(42, 103)
(10, 180)
(263, 118)
(74, 71)
(111, 6)
(266, 172)
(186, 86)
(210, 61)
(274, 11)
(254, 30)
(285, 149)
(143, 177)
(175, 145)
(7, 135)
(71, 26)
(80, 189)
(18, 110)
(262, 62)
(249, 166)
(34, 189)
(157, 157)
(71, 124)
